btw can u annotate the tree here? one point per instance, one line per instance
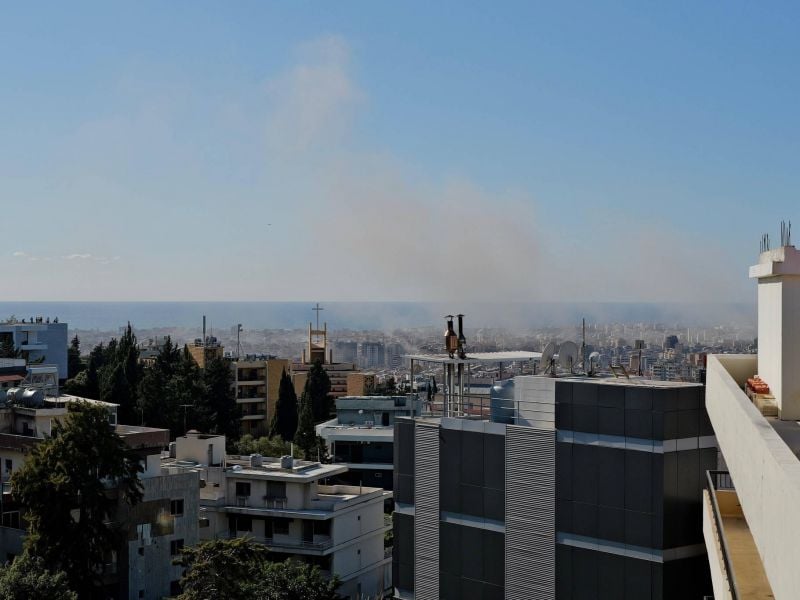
(217, 411)
(74, 364)
(69, 488)
(160, 395)
(266, 446)
(241, 568)
(305, 437)
(219, 568)
(27, 579)
(291, 580)
(7, 348)
(318, 388)
(284, 421)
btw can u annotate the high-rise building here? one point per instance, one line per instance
(582, 487)
(372, 355)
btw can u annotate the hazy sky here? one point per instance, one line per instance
(394, 150)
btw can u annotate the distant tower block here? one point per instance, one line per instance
(778, 275)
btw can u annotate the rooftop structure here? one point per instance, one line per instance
(40, 339)
(362, 436)
(559, 485)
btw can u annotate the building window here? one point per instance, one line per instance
(175, 547)
(176, 507)
(9, 465)
(378, 475)
(174, 587)
(11, 519)
(280, 526)
(242, 488)
(276, 490)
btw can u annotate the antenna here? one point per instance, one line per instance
(567, 355)
(594, 359)
(786, 233)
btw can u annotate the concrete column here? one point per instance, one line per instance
(778, 275)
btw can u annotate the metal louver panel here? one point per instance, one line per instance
(426, 517)
(530, 513)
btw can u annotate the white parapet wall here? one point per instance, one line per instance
(765, 471)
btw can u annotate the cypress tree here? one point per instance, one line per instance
(284, 421)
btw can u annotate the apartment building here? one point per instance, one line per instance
(592, 489)
(361, 437)
(751, 521)
(40, 339)
(257, 381)
(285, 504)
(164, 521)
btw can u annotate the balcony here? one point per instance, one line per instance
(286, 543)
(762, 460)
(737, 571)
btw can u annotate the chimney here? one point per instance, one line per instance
(462, 341)
(778, 275)
(204, 330)
(450, 337)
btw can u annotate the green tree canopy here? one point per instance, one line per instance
(69, 488)
(305, 437)
(27, 579)
(216, 410)
(318, 389)
(266, 446)
(241, 568)
(284, 420)
(74, 364)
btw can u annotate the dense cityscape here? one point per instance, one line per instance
(399, 301)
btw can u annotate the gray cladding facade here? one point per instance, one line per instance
(606, 506)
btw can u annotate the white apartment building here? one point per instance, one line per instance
(39, 339)
(751, 519)
(284, 504)
(156, 528)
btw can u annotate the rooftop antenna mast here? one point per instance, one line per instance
(238, 341)
(764, 242)
(786, 233)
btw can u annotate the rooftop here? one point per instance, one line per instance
(476, 357)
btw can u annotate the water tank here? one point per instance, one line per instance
(33, 398)
(501, 402)
(14, 395)
(173, 449)
(287, 462)
(256, 460)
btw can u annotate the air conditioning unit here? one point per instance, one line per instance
(369, 423)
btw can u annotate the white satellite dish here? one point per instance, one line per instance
(594, 360)
(568, 355)
(548, 354)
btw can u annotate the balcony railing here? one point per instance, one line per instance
(721, 480)
(322, 544)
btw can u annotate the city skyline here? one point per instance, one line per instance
(154, 152)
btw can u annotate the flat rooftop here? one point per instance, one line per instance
(476, 357)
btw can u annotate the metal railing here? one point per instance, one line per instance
(286, 543)
(721, 480)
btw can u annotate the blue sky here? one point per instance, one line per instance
(400, 151)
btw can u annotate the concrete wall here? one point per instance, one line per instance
(149, 564)
(764, 470)
(195, 447)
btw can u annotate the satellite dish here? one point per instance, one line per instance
(594, 360)
(548, 354)
(567, 355)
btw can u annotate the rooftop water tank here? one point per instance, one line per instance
(501, 402)
(256, 460)
(33, 398)
(287, 462)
